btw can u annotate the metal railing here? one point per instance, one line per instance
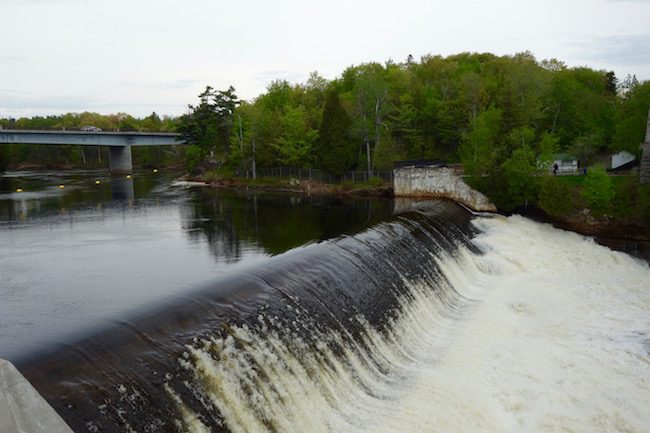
(314, 174)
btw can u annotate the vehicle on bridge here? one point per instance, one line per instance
(91, 129)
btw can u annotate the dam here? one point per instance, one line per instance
(294, 314)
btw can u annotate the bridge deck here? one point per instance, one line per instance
(86, 138)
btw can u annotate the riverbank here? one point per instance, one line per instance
(289, 185)
(622, 234)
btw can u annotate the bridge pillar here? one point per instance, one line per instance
(119, 159)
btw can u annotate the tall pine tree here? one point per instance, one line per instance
(334, 151)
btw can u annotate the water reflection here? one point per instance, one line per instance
(27, 195)
(77, 257)
(122, 189)
(231, 222)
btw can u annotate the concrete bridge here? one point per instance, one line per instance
(119, 143)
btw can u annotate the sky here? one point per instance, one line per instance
(140, 56)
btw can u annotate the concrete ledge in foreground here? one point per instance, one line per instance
(22, 409)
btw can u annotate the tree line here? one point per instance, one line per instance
(497, 115)
(58, 156)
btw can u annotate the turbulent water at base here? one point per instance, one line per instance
(432, 321)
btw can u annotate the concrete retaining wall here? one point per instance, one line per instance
(438, 183)
(22, 409)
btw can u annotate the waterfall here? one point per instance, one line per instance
(430, 321)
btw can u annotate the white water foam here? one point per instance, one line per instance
(547, 332)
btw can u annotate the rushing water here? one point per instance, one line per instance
(428, 321)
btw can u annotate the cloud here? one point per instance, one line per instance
(16, 100)
(265, 77)
(33, 2)
(169, 85)
(617, 49)
(13, 59)
(27, 104)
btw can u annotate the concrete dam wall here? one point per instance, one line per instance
(438, 182)
(22, 409)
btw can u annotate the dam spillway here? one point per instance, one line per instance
(430, 320)
(407, 324)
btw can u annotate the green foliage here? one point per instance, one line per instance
(478, 108)
(520, 184)
(555, 196)
(386, 153)
(598, 191)
(335, 151)
(520, 137)
(4, 158)
(549, 145)
(375, 181)
(631, 118)
(585, 147)
(626, 195)
(194, 155)
(209, 125)
(478, 152)
(294, 146)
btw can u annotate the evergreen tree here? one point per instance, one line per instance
(209, 124)
(334, 151)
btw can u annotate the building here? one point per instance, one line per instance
(623, 161)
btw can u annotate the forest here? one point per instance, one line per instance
(497, 115)
(475, 108)
(470, 107)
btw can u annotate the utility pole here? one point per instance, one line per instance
(241, 136)
(254, 169)
(644, 169)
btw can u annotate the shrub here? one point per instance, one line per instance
(517, 180)
(555, 196)
(626, 197)
(598, 191)
(193, 157)
(375, 181)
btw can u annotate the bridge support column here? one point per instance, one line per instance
(119, 159)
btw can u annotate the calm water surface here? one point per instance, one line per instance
(76, 258)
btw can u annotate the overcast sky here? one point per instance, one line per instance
(139, 56)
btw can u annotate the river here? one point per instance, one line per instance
(143, 305)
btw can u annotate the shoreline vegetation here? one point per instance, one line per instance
(625, 216)
(501, 117)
